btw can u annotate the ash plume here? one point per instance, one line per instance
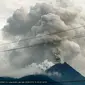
(41, 20)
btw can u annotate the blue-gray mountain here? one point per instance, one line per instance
(67, 73)
(40, 78)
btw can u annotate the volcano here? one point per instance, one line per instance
(68, 75)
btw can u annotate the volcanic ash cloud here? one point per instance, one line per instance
(45, 24)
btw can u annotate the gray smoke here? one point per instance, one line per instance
(44, 19)
(38, 22)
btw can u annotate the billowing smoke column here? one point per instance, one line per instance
(45, 24)
(39, 22)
